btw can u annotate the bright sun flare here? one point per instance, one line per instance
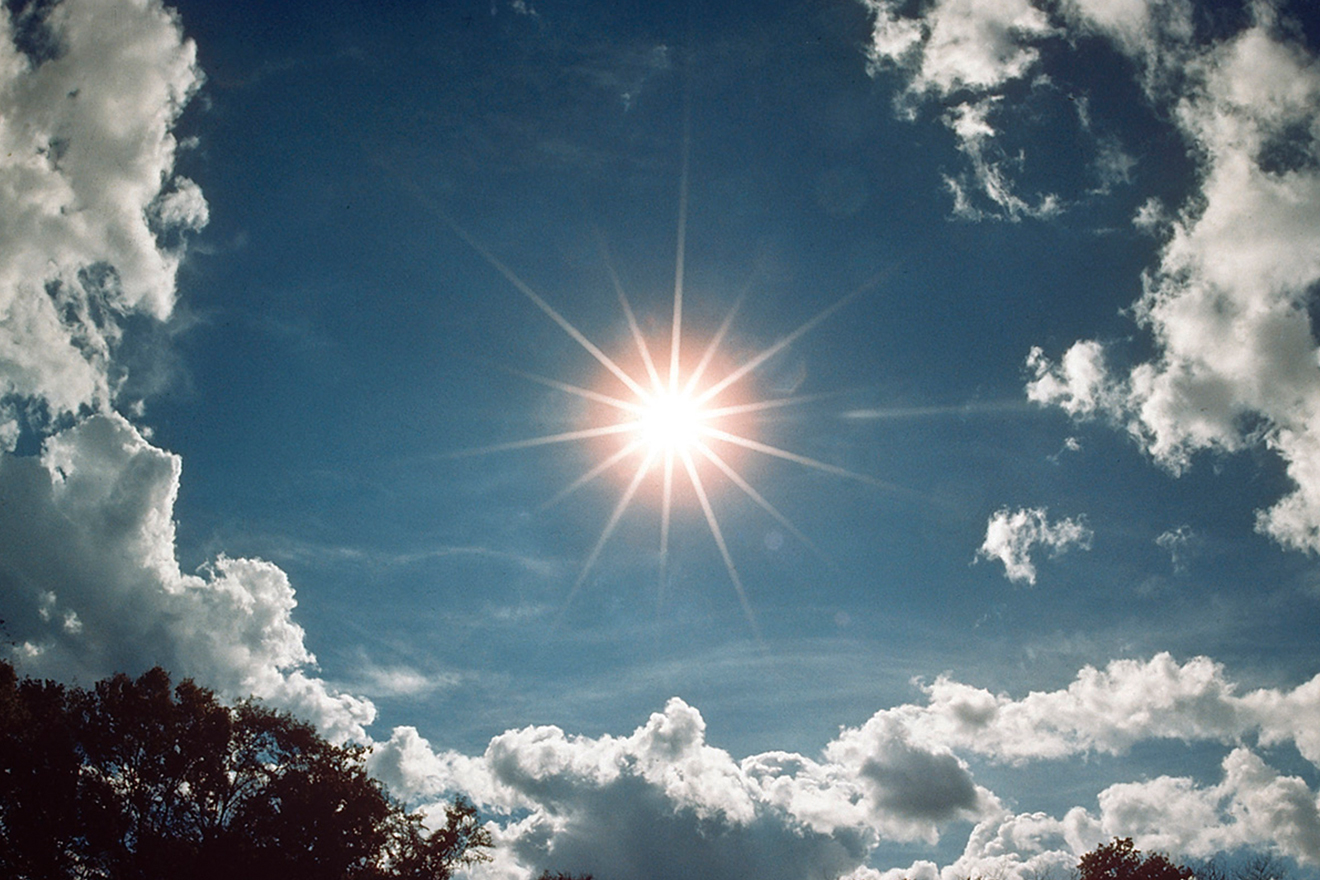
(669, 420)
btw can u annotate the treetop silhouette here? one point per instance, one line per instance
(136, 779)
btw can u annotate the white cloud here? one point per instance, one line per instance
(1111, 711)
(1236, 361)
(1025, 846)
(1254, 805)
(1011, 536)
(961, 53)
(93, 586)
(91, 230)
(990, 174)
(912, 785)
(1151, 216)
(1155, 32)
(1180, 543)
(974, 45)
(398, 680)
(90, 217)
(661, 802)
(1079, 383)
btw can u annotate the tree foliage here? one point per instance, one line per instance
(1250, 866)
(136, 779)
(1121, 860)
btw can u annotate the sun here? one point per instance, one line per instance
(671, 422)
(674, 424)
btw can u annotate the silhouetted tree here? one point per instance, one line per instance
(560, 875)
(1120, 860)
(1261, 866)
(135, 779)
(1251, 866)
(1210, 869)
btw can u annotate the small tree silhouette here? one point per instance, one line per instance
(1121, 860)
(135, 779)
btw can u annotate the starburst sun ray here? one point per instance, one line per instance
(633, 326)
(742, 371)
(738, 480)
(775, 451)
(548, 439)
(671, 419)
(526, 290)
(593, 473)
(617, 514)
(584, 393)
(718, 535)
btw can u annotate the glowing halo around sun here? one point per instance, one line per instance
(673, 425)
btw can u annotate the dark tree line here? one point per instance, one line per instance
(139, 780)
(1121, 860)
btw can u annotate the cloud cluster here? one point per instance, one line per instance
(1227, 306)
(961, 54)
(661, 801)
(91, 216)
(93, 586)
(1109, 711)
(92, 220)
(1011, 536)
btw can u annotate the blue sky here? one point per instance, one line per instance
(278, 282)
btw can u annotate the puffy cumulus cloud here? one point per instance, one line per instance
(93, 586)
(1103, 710)
(91, 216)
(1254, 807)
(1255, 804)
(913, 785)
(973, 45)
(1112, 710)
(1079, 383)
(1024, 846)
(92, 230)
(1227, 306)
(414, 771)
(662, 802)
(1011, 536)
